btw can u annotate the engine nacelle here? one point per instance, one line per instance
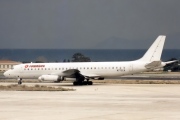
(49, 78)
(99, 78)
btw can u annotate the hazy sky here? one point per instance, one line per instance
(92, 24)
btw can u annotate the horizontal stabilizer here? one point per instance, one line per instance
(154, 64)
(169, 62)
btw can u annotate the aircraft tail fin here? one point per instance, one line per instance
(155, 51)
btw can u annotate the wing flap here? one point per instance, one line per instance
(74, 72)
(90, 75)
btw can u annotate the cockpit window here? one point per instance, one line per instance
(13, 67)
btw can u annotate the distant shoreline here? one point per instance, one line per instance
(96, 55)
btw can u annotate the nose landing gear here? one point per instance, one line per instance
(19, 81)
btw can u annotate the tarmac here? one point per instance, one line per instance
(96, 102)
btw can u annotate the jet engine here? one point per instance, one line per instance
(50, 78)
(99, 78)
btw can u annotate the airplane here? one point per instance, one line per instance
(82, 72)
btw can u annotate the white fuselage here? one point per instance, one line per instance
(102, 69)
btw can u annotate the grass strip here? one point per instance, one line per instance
(16, 87)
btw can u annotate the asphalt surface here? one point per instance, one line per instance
(97, 102)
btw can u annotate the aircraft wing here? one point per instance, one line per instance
(73, 72)
(90, 75)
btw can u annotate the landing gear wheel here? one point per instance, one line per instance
(85, 83)
(19, 82)
(90, 83)
(75, 83)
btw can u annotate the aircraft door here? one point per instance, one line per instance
(21, 69)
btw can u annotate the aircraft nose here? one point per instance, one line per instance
(6, 73)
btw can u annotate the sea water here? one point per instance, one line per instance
(58, 55)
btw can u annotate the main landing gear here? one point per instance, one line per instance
(19, 81)
(80, 81)
(83, 83)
